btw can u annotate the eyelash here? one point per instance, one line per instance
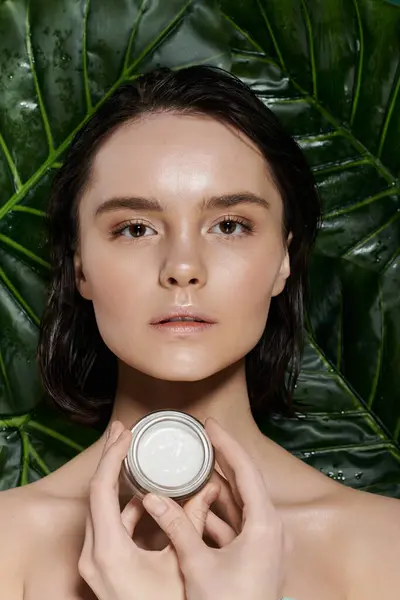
(249, 227)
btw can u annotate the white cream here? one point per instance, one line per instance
(170, 453)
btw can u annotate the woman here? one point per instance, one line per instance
(182, 194)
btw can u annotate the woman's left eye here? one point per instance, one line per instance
(229, 224)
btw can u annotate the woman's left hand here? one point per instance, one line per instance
(111, 563)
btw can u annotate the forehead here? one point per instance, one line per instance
(171, 154)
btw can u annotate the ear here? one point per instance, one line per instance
(80, 279)
(284, 270)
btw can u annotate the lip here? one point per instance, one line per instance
(182, 312)
(182, 327)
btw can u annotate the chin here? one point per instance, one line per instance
(180, 364)
(174, 372)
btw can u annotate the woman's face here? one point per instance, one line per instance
(185, 255)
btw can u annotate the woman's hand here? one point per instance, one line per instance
(111, 563)
(249, 562)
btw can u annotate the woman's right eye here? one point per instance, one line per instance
(134, 230)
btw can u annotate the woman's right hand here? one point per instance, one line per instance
(249, 562)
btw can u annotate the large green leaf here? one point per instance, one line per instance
(330, 70)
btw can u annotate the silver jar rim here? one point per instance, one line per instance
(134, 470)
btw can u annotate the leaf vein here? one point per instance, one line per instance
(17, 296)
(329, 365)
(380, 351)
(55, 434)
(311, 48)
(11, 164)
(159, 37)
(39, 460)
(369, 237)
(4, 374)
(42, 108)
(6, 240)
(271, 33)
(342, 211)
(245, 35)
(131, 37)
(389, 112)
(88, 96)
(343, 166)
(366, 446)
(28, 209)
(24, 458)
(390, 261)
(360, 65)
(339, 334)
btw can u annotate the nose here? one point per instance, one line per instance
(183, 267)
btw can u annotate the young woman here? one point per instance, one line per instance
(183, 195)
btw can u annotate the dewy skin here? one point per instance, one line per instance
(170, 454)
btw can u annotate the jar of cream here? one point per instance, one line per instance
(170, 454)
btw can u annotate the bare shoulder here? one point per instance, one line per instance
(370, 525)
(32, 523)
(15, 541)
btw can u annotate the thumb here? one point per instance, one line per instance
(177, 525)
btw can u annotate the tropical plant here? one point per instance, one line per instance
(330, 69)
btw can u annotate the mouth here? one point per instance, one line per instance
(183, 327)
(183, 322)
(183, 318)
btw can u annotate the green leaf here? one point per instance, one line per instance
(330, 69)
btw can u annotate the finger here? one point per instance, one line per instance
(178, 527)
(113, 432)
(229, 473)
(241, 468)
(219, 531)
(230, 476)
(225, 505)
(104, 502)
(131, 515)
(199, 505)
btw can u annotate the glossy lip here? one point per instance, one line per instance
(182, 312)
(182, 327)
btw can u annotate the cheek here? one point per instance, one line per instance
(120, 291)
(244, 299)
(117, 282)
(248, 285)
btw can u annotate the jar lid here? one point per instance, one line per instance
(170, 453)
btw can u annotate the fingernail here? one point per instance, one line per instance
(155, 505)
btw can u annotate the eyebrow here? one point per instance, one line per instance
(151, 204)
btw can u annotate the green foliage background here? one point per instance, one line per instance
(330, 70)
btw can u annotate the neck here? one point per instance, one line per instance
(222, 396)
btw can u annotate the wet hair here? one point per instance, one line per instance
(78, 371)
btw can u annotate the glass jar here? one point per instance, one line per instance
(170, 454)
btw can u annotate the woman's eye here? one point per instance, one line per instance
(134, 230)
(229, 226)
